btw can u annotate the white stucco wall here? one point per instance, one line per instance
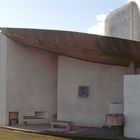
(105, 86)
(132, 105)
(116, 108)
(124, 22)
(3, 61)
(31, 81)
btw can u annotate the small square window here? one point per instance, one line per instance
(83, 91)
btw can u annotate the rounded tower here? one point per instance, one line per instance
(124, 22)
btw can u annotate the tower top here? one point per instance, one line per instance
(124, 22)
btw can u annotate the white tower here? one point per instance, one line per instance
(124, 22)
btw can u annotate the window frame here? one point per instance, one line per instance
(83, 91)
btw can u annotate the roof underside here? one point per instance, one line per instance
(83, 46)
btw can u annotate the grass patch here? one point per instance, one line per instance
(6, 134)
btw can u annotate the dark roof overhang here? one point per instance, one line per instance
(88, 47)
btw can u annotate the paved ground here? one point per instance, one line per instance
(76, 131)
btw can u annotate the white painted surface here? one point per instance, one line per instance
(124, 22)
(31, 81)
(116, 108)
(132, 106)
(3, 66)
(105, 86)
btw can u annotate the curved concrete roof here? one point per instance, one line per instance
(83, 46)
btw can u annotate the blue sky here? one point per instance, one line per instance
(74, 15)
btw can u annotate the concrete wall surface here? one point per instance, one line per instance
(116, 108)
(132, 105)
(124, 22)
(3, 66)
(31, 81)
(105, 86)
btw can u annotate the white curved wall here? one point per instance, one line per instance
(3, 75)
(105, 86)
(124, 22)
(31, 81)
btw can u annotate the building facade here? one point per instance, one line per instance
(71, 76)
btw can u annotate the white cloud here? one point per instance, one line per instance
(101, 17)
(99, 28)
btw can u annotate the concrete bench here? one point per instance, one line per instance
(33, 120)
(68, 125)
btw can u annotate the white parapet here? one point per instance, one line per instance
(132, 106)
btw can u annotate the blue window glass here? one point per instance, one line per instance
(83, 91)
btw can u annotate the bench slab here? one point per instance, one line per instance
(66, 124)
